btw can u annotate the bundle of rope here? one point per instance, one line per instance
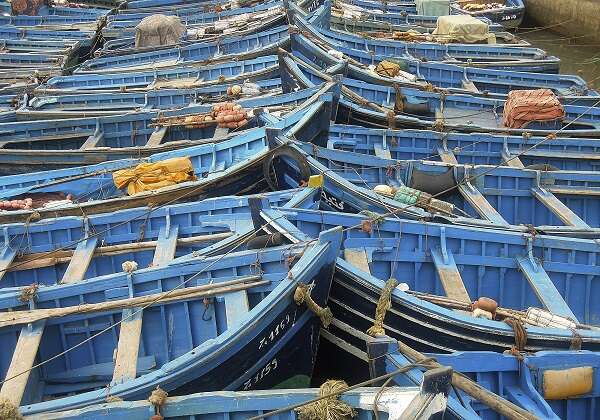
(383, 305)
(9, 411)
(520, 337)
(158, 398)
(330, 408)
(302, 295)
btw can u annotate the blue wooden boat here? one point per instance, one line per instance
(212, 332)
(539, 382)
(65, 250)
(572, 154)
(408, 401)
(260, 68)
(226, 167)
(51, 144)
(13, 32)
(445, 268)
(486, 56)
(114, 103)
(487, 83)
(177, 56)
(375, 105)
(555, 202)
(510, 15)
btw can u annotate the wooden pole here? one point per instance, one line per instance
(24, 317)
(473, 389)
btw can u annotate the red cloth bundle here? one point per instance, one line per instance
(524, 106)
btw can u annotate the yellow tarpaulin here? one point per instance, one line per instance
(152, 176)
(463, 28)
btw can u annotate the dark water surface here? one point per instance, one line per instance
(581, 60)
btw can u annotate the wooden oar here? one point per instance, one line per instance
(24, 317)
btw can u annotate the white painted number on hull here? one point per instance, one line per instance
(265, 371)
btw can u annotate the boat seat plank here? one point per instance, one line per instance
(450, 277)
(447, 156)
(80, 261)
(7, 256)
(92, 141)
(544, 289)
(22, 360)
(511, 160)
(381, 152)
(470, 86)
(156, 137)
(480, 204)
(166, 246)
(49, 137)
(220, 133)
(358, 258)
(557, 207)
(236, 306)
(98, 372)
(130, 334)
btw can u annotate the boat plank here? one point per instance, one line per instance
(6, 260)
(236, 306)
(382, 152)
(544, 289)
(156, 137)
(450, 277)
(128, 346)
(80, 261)
(480, 204)
(22, 361)
(559, 208)
(358, 258)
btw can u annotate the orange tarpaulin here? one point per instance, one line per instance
(524, 106)
(152, 176)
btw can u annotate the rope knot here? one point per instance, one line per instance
(520, 337)
(29, 292)
(129, 266)
(302, 295)
(158, 398)
(383, 305)
(9, 411)
(330, 408)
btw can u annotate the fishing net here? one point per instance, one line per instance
(158, 30)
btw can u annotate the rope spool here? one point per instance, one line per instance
(302, 295)
(383, 305)
(9, 411)
(331, 408)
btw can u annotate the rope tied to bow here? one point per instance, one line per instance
(9, 411)
(330, 408)
(158, 398)
(383, 305)
(29, 292)
(302, 295)
(520, 337)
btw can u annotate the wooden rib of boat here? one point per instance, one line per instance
(446, 268)
(51, 144)
(538, 382)
(410, 402)
(211, 332)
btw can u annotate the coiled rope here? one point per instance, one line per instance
(383, 305)
(330, 407)
(302, 295)
(9, 411)
(158, 398)
(520, 337)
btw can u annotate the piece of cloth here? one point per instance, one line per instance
(433, 7)
(464, 29)
(524, 106)
(152, 176)
(158, 30)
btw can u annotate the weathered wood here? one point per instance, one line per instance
(447, 156)
(7, 255)
(470, 86)
(25, 317)
(495, 402)
(358, 258)
(381, 152)
(480, 204)
(236, 306)
(92, 141)
(21, 363)
(129, 344)
(511, 160)
(450, 277)
(564, 213)
(80, 261)
(220, 133)
(165, 246)
(156, 137)
(46, 259)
